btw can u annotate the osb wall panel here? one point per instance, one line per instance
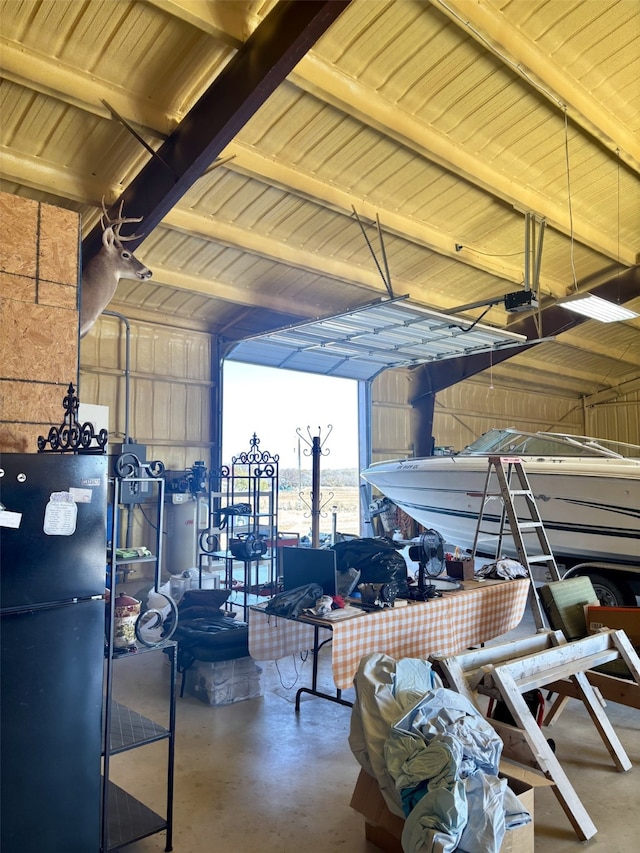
(58, 295)
(59, 246)
(39, 263)
(18, 401)
(38, 344)
(21, 438)
(18, 235)
(17, 287)
(171, 392)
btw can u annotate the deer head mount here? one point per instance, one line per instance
(102, 273)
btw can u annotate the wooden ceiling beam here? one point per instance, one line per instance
(489, 27)
(242, 87)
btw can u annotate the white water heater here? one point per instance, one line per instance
(186, 516)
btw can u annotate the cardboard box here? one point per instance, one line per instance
(626, 619)
(461, 569)
(224, 682)
(384, 829)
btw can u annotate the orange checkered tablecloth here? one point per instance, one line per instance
(444, 625)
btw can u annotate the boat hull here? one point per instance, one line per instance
(590, 507)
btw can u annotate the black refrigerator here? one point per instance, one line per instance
(52, 622)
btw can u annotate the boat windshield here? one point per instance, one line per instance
(510, 441)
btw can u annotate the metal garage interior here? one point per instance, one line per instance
(446, 122)
(295, 162)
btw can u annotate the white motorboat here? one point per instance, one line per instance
(587, 492)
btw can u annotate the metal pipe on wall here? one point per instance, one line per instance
(127, 368)
(127, 379)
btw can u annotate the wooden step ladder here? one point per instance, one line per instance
(519, 519)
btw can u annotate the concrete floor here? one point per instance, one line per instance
(255, 776)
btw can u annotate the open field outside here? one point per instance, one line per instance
(294, 516)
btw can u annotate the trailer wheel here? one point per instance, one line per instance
(612, 594)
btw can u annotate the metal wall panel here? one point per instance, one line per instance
(391, 415)
(467, 410)
(391, 427)
(619, 418)
(392, 386)
(171, 390)
(463, 413)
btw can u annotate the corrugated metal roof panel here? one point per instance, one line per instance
(593, 42)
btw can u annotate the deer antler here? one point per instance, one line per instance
(102, 273)
(116, 224)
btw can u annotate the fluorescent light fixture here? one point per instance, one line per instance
(596, 308)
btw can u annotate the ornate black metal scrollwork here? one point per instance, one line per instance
(255, 456)
(316, 450)
(72, 436)
(128, 465)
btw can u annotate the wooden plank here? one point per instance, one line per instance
(454, 677)
(584, 689)
(607, 687)
(565, 669)
(549, 660)
(627, 653)
(530, 777)
(611, 687)
(507, 670)
(544, 757)
(555, 710)
(529, 669)
(499, 652)
(601, 722)
(616, 689)
(516, 746)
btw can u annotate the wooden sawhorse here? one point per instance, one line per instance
(547, 660)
